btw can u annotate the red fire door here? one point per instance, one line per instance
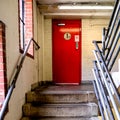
(66, 51)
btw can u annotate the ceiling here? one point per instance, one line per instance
(49, 8)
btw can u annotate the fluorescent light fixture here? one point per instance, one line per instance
(61, 24)
(66, 7)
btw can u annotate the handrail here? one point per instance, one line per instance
(106, 56)
(106, 82)
(102, 89)
(114, 59)
(112, 22)
(109, 88)
(101, 98)
(113, 43)
(103, 40)
(12, 86)
(105, 69)
(99, 101)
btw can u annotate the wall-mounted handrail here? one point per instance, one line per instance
(13, 83)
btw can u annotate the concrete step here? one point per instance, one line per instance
(61, 98)
(64, 94)
(61, 103)
(62, 118)
(61, 110)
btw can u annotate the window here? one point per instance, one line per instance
(26, 24)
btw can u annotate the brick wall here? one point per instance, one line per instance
(3, 72)
(29, 23)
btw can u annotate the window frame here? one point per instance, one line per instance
(23, 29)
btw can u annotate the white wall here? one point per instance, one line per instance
(91, 30)
(40, 29)
(45, 54)
(28, 74)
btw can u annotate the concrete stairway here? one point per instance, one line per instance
(61, 103)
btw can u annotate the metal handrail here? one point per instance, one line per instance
(108, 87)
(106, 56)
(112, 22)
(96, 73)
(101, 98)
(105, 69)
(12, 86)
(98, 99)
(113, 43)
(114, 59)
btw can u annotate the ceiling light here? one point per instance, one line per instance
(85, 7)
(61, 24)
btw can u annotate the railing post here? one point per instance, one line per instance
(103, 41)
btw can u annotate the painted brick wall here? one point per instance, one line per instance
(91, 30)
(3, 72)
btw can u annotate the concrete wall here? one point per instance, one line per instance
(91, 30)
(9, 15)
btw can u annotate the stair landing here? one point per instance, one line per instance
(64, 89)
